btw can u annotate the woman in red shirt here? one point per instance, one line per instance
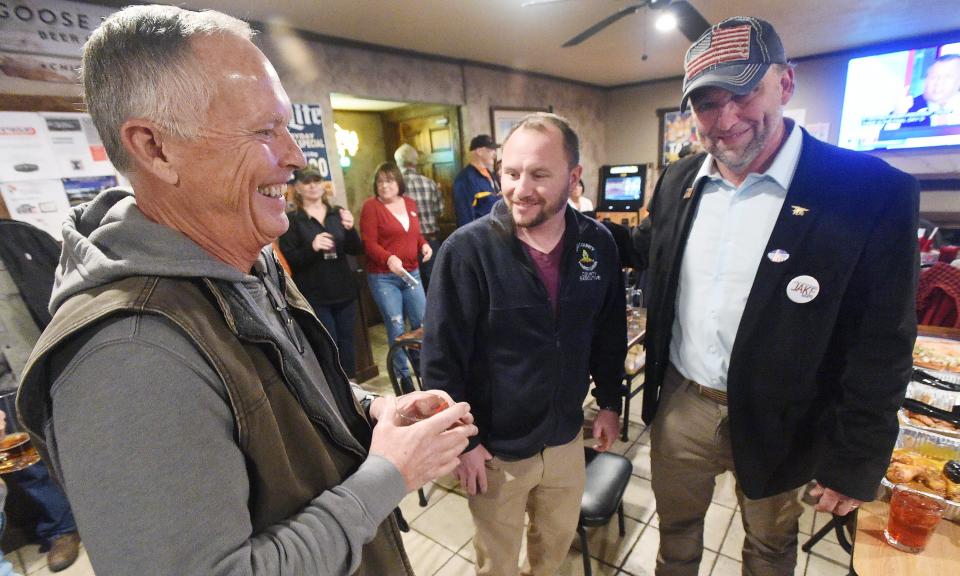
(392, 240)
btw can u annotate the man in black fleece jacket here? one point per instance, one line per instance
(525, 304)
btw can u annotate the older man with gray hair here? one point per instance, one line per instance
(184, 392)
(426, 194)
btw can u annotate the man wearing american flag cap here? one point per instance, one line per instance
(781, 321)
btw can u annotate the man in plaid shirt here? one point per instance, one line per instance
(426, 194)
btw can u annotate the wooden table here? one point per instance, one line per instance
(873, 556)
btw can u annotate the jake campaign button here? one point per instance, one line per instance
(777, 256)
(803, 289)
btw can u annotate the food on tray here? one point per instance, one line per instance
(924, 473)
(931, 422)
(937, 354)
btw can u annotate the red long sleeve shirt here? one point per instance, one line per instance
(384, 236)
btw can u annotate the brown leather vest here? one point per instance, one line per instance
(290, 457)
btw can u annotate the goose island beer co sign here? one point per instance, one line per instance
(42, 40)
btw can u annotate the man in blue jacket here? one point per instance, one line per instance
(525, 304)
(475, 189)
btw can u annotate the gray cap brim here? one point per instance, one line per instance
(737, 78)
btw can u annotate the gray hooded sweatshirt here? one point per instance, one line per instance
(143, 437)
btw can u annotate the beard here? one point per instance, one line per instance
(547, 210)
(738, 160)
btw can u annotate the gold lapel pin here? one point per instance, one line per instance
(688, 193)
(799, 210)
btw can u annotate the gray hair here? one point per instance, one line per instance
(539, 121)
(139, 63)
(406, 155)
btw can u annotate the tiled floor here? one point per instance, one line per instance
(440, 542)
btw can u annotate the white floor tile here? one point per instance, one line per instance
(733, 543)
(573, 566)
(410, 505)
(725, 490)
(639, 455)
(807, 519)
(606, 544)
(706, 563)
(32, 559)
(820, 567)
(830, 551)
(638, 500)
(715, 526)
(726, 567)
(425, 555)
(447, 522)
(820, 520)
(642, 560)
(456, 566)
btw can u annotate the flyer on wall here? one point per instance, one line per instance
(42, 203)
(77, 145)
(25, 150)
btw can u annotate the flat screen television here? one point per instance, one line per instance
(905, 99)
(621, 188)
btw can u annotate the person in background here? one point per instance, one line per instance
(426, 194)
(392, 241)
(6, 568)
(184, 392)
(475, 190)
(578, 201)
(526, 305)
(316, 245)
(781, 318)
(28, 262)
(939, 103)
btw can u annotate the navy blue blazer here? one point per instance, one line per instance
(813, 388)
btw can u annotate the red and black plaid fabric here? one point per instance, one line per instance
(938, 296)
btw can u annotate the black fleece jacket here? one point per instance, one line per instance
(491, 337)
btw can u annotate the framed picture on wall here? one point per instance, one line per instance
(678, 134)
(502, 119)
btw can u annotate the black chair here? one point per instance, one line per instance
(842, 525)
(607, 477)
(407, 347)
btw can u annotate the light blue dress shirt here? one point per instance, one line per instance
(727, 242)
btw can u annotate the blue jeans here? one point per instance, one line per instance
(398, 302)
(56, 518)
(339, 319)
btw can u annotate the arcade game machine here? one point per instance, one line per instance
(620, 199)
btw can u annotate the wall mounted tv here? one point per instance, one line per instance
(621, 188)
(905, 99)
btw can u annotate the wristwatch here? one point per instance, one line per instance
(366, 401)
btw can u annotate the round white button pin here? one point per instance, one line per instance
(803, 289)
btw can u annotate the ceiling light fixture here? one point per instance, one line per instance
(666, 22)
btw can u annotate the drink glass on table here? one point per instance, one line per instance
(914, 516)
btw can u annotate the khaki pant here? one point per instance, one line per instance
(690, 446)
(548, 487)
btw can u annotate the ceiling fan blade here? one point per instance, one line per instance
(603, 24)
(689, 20)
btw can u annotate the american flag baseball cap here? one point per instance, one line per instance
(733, 55)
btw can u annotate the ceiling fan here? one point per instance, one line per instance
(689, 20)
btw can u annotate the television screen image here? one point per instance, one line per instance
(623, 189)
(905, 99)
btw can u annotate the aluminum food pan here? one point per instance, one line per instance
(929, 444)
(905, 421)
